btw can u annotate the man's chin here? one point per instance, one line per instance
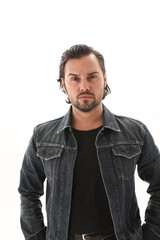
(85, 107)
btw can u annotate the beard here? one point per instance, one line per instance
(86, 105)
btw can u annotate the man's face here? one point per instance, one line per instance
(84, 82)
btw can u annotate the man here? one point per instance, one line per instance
(88, 158)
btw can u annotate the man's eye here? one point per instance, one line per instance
(92, 76)
(74, 78)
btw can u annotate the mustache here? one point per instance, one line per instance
(85, 93)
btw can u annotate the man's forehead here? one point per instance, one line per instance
(89, 63)
(87, 58)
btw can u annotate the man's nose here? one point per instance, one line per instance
(84, 85)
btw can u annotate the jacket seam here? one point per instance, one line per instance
(120, 143)
(143, 134)
(35, 234)
(152, 230)
(129, 208)
(136, 234)
(39, 144)
(34, 134)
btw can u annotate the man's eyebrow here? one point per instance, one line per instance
(73, 74)
(92, 73)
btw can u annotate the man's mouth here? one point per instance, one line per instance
(85, 96)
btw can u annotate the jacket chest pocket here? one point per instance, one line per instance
(50, 157)
(125, 158)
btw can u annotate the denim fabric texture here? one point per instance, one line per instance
(121, 144)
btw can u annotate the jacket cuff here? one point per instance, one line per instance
(40, 235)
(149, 233)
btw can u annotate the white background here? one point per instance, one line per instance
(33, 36)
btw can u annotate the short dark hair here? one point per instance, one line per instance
(78, 51)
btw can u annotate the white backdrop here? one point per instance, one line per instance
(33, 36)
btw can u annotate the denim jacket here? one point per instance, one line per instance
(122, 144)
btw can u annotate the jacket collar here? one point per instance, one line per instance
(108, 122)
(66, 121)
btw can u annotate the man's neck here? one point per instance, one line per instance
(87, 120)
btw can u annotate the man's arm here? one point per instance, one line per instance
(31, 188)
(149, 171)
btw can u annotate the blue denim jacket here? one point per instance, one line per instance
(121, 144)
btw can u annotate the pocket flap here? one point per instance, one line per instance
(127, 151)
(48, 153)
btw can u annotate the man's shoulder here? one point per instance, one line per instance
(131, 129)
(48, 126)
(50, 122)
(120, 122)
(130, 124)
(128, 120)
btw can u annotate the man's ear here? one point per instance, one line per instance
(105, 79)
(63, 85)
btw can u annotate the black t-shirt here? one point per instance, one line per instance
(90, 211)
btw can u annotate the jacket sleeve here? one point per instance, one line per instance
(149, 171)
(31, 188)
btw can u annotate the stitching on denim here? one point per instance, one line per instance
(129, 208)
(143, 135)
(124, 155)
(39, 144)
(120, 143)
(34, 133)
(50, 157)
(152, 230)
(35, 234)
(137, 233)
